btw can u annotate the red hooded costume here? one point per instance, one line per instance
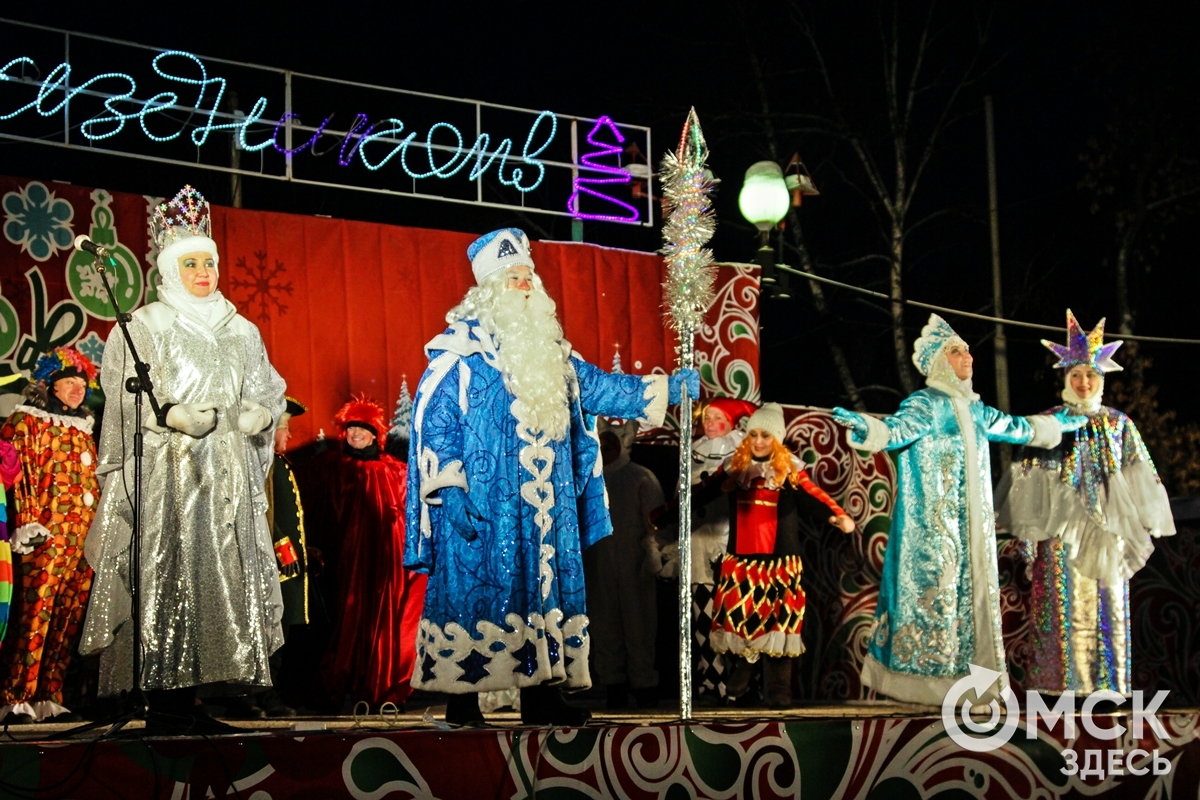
(354, 510)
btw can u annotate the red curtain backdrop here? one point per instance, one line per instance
(344, 307)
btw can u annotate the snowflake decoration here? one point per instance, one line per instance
(91, 346)
(37, 221)
(263, 284)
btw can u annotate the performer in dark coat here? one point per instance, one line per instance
(354, 512)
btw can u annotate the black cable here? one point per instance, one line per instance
(972, 315)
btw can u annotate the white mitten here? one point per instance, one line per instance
(654, 555)
(194, 419)
(253, 419)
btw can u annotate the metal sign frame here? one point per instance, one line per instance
(501, 174)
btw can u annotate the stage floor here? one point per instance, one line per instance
(866, 749)
(430, 718)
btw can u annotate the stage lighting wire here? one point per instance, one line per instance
(224, 768)
(969, 314)
(19, 791)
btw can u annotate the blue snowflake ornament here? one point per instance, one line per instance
(91, 346)
(37, 221)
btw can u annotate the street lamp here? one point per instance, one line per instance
(764, 202)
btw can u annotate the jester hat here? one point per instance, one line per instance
(65, 362)
(734, 410)
(365, 413)
(1087, 349)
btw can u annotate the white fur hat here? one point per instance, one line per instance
(498, 250)
(769, 418)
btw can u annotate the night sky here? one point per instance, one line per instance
(1067, 79)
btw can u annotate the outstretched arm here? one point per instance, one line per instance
(911, 421)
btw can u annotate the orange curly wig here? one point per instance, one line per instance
(363, 409)
(781, 461)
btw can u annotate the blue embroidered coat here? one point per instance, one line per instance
(506, 609)
(939, 598)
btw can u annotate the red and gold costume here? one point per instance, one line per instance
(56, 498)
(759, 604)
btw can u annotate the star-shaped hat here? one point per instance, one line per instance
(1087, 349)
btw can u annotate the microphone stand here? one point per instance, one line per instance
(135, 706)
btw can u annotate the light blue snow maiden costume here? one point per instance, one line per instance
(498, 513)
(939, 598)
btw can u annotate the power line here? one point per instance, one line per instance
(972, 315)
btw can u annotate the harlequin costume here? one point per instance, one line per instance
(354, 512)
(1089, 510)
(710, 538)
(939, 598)
(54, 504)
(759, 602)
(10, 472)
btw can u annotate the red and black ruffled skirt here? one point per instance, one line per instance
(758, 608)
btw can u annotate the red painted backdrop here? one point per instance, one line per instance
(343, 306)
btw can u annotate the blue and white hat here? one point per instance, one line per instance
(498, 250)
(936, 334)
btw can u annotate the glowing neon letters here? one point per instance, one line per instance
(375, 144)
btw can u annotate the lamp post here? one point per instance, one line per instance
(764, 201)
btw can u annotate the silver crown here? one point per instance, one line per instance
(183, 216)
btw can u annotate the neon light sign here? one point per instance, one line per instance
(208, 102)
(619, 175)
(179, 112)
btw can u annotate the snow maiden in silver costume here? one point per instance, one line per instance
(939, 601)
(505, 484)
(211, 602)
(1089, 510)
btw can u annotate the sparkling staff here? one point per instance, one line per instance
(687, 184)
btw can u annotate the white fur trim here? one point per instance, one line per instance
(878, 435)
(157, 317)
(981, 542)
(433, 642)
(435, 478)
(1077, 403)
(39, 710)
(81, 424)
(457, 339)
(488, 260)
(775, 643)
(922, 689)
(169, 257)
(28, 537)
(961, 389)
(655, 394)
(1047, 431)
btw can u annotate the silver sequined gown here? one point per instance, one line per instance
(211, 600)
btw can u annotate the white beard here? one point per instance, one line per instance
(532, 359)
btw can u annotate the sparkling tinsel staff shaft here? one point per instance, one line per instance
(688, 292)
(687, 358)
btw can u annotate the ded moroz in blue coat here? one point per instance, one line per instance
(505, 608)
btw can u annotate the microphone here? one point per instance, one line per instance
(86, 245)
